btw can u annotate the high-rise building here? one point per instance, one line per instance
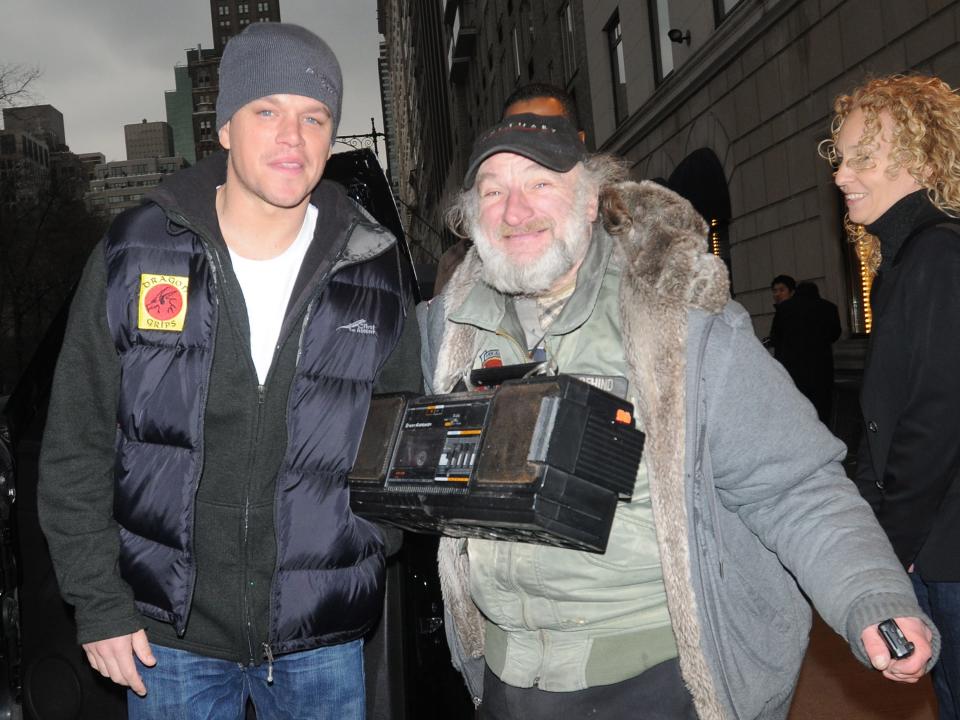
(24, 166)
(230, 17)
(34, 157)
(227, 18)
(203, 66)
(41, 121)
(179, 105)
(148, 140)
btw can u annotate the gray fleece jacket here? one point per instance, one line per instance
(748, 493)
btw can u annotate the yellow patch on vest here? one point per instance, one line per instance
(163, 302)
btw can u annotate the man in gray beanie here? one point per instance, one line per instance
(208, 402)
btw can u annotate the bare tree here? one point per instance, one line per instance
(44, 242)
(44, 237)
(15, 81)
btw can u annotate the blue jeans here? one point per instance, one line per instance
(941, 601)
(321, 684)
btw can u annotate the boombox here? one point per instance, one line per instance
(542, 459)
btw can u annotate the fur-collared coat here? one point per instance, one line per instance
(740, 473)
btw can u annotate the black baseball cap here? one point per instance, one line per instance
(551, 141)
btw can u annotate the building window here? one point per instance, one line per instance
(224, 9)
(263, 7)
(618, 70)
(662, 47)
(567, 46)
(243, 8)
(722, 8)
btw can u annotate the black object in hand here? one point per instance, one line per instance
(896, 641)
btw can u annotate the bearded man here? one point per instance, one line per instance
(694, 609)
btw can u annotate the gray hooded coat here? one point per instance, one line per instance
(748, 493)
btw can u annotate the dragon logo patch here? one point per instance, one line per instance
(163, 302)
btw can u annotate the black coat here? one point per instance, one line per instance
(803, 331)
(909, 461)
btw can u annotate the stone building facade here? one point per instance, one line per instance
(753, 83)
(724, 100)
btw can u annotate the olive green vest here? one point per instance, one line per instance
(563, 619)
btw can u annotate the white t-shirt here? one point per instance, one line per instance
(266, 286)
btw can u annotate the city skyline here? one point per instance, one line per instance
(105, 65)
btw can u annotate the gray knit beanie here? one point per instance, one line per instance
(277, 59)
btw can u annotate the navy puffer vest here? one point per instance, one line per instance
(162, 309)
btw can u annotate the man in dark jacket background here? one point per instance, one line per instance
(208, 402)
(802, 334)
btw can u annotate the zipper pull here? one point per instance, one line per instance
(260, 392)
(269, 653)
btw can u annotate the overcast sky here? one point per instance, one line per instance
(106, 63)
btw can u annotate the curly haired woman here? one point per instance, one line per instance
(896, 149)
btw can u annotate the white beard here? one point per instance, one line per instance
(537, 277)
